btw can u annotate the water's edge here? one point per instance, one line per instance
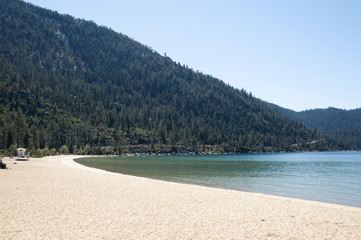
(335, 183)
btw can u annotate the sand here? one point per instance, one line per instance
(56, 198)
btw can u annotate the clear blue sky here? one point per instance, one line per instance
(299, 54)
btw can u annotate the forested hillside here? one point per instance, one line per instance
(342, 125)
(70, 85)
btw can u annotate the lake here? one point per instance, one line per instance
(333, 177)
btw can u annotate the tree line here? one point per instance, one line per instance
(68, 85)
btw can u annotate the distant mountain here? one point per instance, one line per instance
(70, 85)
(343, 125)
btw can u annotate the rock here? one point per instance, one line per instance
(3, 165)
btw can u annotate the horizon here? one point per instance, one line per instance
(299, 56)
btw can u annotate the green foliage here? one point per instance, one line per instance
(70, 85)
(342, 125)
(11, 151)
(64, 150)
(38, 153)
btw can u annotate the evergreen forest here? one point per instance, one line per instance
(342, 125)
(70, 86)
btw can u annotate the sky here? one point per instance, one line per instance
(299, 54)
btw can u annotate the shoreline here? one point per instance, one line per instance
(192, 153)
(55, 197)
(337, 199)
(73, 164)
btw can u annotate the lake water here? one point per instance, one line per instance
(333, 177)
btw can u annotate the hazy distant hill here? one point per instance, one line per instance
(70, 85)
(341, 124)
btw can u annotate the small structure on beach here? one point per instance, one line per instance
(22, 154)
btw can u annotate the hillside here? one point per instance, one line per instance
(70, 85)
(343, 125)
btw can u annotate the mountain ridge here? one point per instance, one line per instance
(70, 84)
(343, 125)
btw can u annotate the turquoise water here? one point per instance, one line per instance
(333, 177)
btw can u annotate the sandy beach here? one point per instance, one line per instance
(56, 198)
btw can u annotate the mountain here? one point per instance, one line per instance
(70, 85)
(343, 125)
